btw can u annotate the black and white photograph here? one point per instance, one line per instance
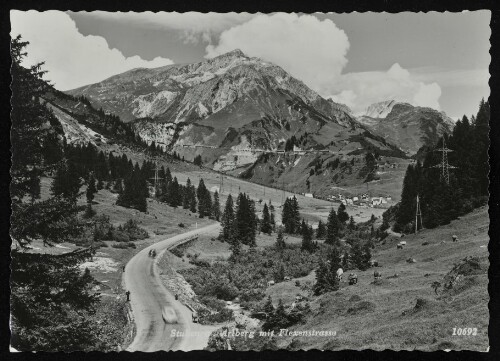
(241, 181)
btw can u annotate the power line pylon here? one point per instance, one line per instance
(418, 214)
(444, 165)
(156, 177)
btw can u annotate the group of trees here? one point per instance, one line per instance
(278, 317)
(239, 223)
(468, 183)
(290, 217)
(51, 299)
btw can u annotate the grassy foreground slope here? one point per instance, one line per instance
(404, 312)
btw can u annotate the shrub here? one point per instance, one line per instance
(181, 225)
(119, 245)
(177, 252)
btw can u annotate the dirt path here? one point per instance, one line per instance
(148, 296)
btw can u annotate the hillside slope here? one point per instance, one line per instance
(387, 314)
(407, 126)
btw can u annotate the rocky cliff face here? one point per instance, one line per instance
(407, 126)
(223, 108)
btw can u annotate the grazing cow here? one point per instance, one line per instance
(399, 246)
(353, 278)
(287, 278)
(454, 238)
(340, 272)
(270, 283)
(377, 275)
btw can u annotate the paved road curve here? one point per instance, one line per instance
(148, 296)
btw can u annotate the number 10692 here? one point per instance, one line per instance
(458, 331)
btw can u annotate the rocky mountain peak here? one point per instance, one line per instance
(380, 109)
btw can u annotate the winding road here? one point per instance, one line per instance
(148, 296)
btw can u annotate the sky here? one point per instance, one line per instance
(439, 60)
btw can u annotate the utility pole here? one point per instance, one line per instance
(444, 165)
(418, 213)
(156, 177)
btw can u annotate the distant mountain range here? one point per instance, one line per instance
(406, 126)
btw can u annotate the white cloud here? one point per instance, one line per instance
(72, 60)
(193, 26)
(311, 50)
(365, 88)
(315, 52)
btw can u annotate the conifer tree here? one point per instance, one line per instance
(91, 189)
(216, 207)
(66, 182)
(246, 219)
(307, 243)
(280, 240)
(332, 229)
(273, 220)
(352, 224)
(346, 264)
(342, 215)
(265, 226)
(321, 230)
(186, 196)
(357, 256)
(228, 221)
(367, 255)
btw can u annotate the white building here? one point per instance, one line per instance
(308, 195)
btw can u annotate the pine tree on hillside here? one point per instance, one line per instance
(265, 226)
(91, 189)
(228, 221)
(332, 229)
(216, 207)
(321, 230)
(367, 255)
(335, 260)
(246, 219)
(204, 200)
(291, 216)
(346, 261)
(186, 196)
(280, 240)
(135, 191)
(66, 182)
(51, 300)
(352, 224)
(342, 214)
(273, 220)
(326, 273)
(192, 198)
(357, 256)
(307, 242)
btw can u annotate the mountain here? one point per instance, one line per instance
(405, 125)
(227, 106)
